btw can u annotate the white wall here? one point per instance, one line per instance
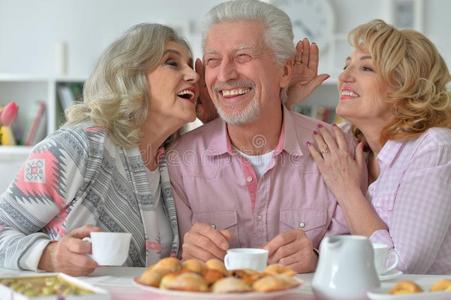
(31, 29)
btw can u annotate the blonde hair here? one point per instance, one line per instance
(415, 73)
(116, 94)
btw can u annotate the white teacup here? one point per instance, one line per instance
(246, 258)
(110, 248)
(385, 258)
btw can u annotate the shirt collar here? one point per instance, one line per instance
(389, 152)
(220, 143)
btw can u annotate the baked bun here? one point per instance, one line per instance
(279, 269)
(441, 286)
(190, 282)
(247, 275)
(278, 282)
(194, 265)
(151, 277)
(167, 265)
(231, 285)
(405, 287)
(212, 275)
(217, 264)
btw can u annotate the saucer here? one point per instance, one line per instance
(390, 275)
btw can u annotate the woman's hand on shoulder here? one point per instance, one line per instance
(70, 254)
(341, 172)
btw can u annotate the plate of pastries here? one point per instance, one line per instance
(409, 289)
(211, 280)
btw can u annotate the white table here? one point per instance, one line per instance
(118, 281)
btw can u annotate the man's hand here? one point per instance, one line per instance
(205, 109)
(292, 249)
(305, 78)
(204, 242)
(69, 255)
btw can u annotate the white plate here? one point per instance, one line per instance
(382, 294)
(229, 296)
(390, 275)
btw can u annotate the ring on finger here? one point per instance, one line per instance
(325, 150)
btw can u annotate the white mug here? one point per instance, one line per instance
(246, 258)
(110, 248)
(385, 258)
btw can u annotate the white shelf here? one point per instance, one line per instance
(4, 77)
(14, 150)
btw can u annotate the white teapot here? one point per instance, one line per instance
(345, 268)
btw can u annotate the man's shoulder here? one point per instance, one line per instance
(198, 138)
(305, 123)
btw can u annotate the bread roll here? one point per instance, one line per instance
(194, 265)
(168, 265)
(151, 278)
(231, 285)
(277, 282)
(405, 287)
(217, 264)
(191, 282)
(279, 269)
(441, 285)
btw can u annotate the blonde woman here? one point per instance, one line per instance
(393, 92)
(106, 167)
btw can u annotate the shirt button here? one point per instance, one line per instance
(301, 224)
(249, 179)
(259, 218)
(213, 226)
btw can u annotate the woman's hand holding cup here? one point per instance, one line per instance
(70, 255)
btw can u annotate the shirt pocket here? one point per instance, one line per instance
(221, 220)
(312, 221)
(383, 205)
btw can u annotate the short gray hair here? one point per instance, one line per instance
(277, 24)
(116, 94)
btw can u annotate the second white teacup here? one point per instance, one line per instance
(385, 258)
(110, 248)
(246, 258)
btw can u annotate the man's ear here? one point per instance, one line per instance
(287, 72)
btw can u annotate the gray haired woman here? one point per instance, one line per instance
(106, 167)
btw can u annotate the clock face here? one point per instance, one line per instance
(313, 19)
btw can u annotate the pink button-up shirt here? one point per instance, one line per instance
(413, 196)
(213, 184)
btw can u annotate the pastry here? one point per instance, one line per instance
(441, 286)
(231, 285)
(151, 277)
(194, 265)
(167, 265)
(191, 282)
(247, 275)
(277, 282)
(405, 287)
(279, 269)
(212, 275)
(217, 264)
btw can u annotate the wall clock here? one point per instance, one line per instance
(313, 19)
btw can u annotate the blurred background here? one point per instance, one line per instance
(49, 47)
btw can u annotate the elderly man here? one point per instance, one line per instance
(246, 179)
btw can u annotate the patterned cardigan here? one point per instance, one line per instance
(78, 176)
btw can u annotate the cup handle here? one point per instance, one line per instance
(394, 256)
(226, 261)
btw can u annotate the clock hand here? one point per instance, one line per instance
(305, 29)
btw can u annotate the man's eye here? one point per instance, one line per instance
(243, 58)
(213, 62)
(345, 67)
